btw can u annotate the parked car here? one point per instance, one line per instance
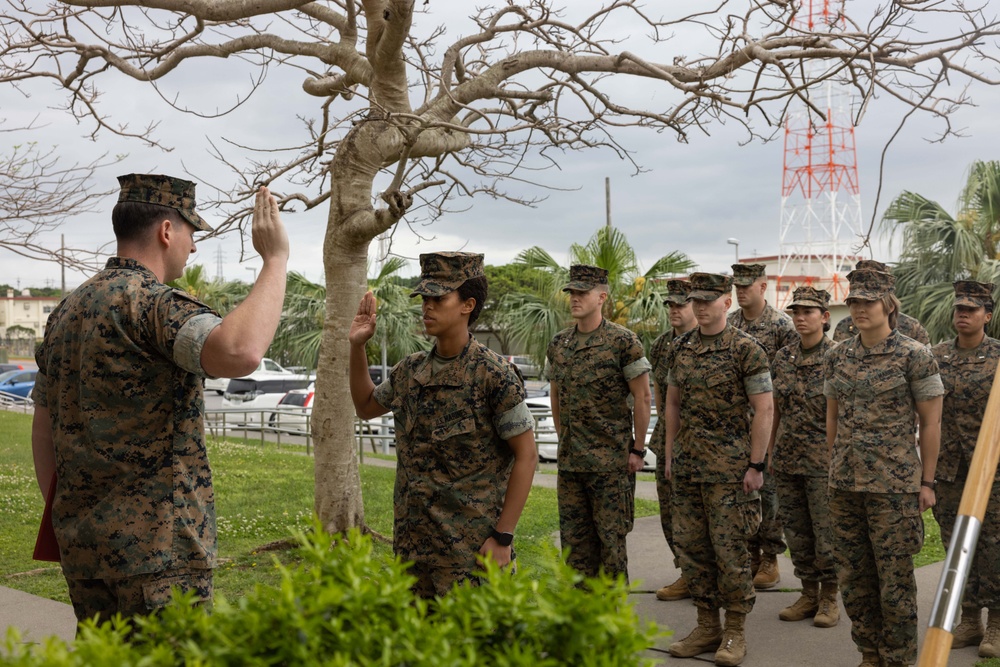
(259, 394)
(11, 367)
(17, 384)
(265, 368)
(545, 432)
(294, 409)
(529, 369)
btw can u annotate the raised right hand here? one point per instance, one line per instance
(363, 325)
(268, 233)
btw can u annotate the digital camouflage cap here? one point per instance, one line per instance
(710, 286)
(175, 193)
(810, 297)
(869, 285)
(584, 277)
(444, 272)
(678, 292)
(872, 265)
(973, 294)
(745, 274)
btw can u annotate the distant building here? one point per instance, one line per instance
(30, 312)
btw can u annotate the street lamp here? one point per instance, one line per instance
(736, 244)
(254, 269)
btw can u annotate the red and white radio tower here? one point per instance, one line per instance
(820, 196)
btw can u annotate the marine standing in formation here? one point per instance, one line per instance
(773, 330)
(465, 449)
(594, 366)
(968, 364)
(119, 404)
(682, 320)
(908, 326)
(715, 456)
(879, 386)
(800, 458)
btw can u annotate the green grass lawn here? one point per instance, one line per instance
(262, 493)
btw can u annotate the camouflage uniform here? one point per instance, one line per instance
(968, 376)
(453, 461)
(800, 458)
(712, 516)
(908, 326)
(595, 489)
(773, 330)
(678, 291)
(120, 373)
(875, 474)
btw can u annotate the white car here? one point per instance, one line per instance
(265, 368)
(545, 432)
(255, 396)
(294, 409)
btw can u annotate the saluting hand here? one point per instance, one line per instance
(363, 325)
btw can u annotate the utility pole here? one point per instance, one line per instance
(62, 261)
(607, 198)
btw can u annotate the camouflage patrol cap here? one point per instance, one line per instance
(872, 265)
(678, 292)
(710, 286)
(869, 285)
(444, 272)
(175, 193)
(976, 295)
(583, 277)
(810, 297)
(745, 274)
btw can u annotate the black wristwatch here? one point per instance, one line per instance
(930, 485)
(503, 539)
(759, 467)
(641, 453)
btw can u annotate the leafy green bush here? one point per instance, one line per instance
(342, 605)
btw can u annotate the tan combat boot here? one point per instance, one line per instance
(806, 606)
(969, 632)
(767, 576)
(705, 637)
(734, 643)
(828, 614)
(990, 646)
(675, 591)
(870, 659)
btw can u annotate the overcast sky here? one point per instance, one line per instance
(692, 198)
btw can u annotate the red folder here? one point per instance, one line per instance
(46, 547)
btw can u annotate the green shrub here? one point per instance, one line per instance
(342, 605)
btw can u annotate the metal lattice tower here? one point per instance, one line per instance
(820, 194)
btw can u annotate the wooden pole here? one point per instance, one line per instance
(972, 508)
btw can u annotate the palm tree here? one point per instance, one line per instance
(938, 248)
(635, 299)
(298, 339)
(220, 295)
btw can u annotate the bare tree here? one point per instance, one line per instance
(438, 117)
(37, 194)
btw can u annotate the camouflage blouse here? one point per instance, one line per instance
(772, 329)
(876, 392)
(658, 353)
(592, 377)
(800, 444)
(453, 461)
(967, 376)
(120, 372)
(715, 378)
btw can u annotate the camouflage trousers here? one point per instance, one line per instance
(877, 535)
(769, 537)
(596, 511)
(711, 525)
(139, 595)
(664, 487)
(982, 588)
(804, 508)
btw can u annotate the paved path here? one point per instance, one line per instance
(771, 642)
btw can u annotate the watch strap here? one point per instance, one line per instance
(503, 539)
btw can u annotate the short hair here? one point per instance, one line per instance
(474, 288)
(891, 304)
(132, 220)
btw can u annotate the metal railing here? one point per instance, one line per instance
(15, 403)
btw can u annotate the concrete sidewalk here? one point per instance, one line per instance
(771, 642)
